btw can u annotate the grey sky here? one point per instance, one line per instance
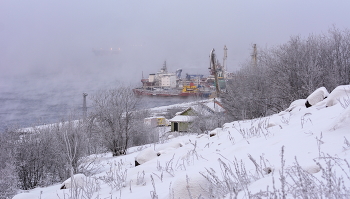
(46, 45)
(58, 36)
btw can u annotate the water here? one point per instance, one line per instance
(36, 107)
(49, 95)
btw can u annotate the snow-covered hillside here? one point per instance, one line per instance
(297, 153)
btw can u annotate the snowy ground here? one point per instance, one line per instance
(312, 137)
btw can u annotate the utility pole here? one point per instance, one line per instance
(254, 55)
(84, 105)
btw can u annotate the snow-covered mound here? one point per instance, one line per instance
(190, 185)
(317, 96)
(155, 151)
(343, 120)
(79, 181)
(25, 196)
(298, 153)
(339, 94)
(297, 103)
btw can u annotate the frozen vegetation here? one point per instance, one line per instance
(284, 134)
(297, 153)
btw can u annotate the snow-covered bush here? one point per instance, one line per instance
(229, 182)
(8, 181)
(31, 158)
(259, 127)
(81, 187)
(329, 184)
(116, 176)
(8, 177)
(326, 178)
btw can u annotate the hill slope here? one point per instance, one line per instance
(297, 153)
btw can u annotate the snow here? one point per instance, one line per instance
(305, 135)
(295, 104)
(182, 118)
(79, 180)
(190, 184)
(24, 196)
(317, 96)
(214, 105)
(155, 151)
(339, 94)
(343, 120)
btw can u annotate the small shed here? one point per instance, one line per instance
(181, 123)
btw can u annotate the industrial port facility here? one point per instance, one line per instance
(168, 84)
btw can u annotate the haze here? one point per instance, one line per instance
(46, 47)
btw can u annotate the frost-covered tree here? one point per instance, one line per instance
(114, 118)
(31, 152)
(246, 94)
(71, 136)
(42, 156)
(8, 177)
(206, 119)
(288, 72)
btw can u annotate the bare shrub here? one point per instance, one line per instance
(116, 176)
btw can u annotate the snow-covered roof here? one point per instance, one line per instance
(183, 118)
(205, 108)
(155, 117)
(215, 106)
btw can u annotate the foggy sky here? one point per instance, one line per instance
(41, 36)
(46, 46)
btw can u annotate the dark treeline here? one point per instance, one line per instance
(288, 72)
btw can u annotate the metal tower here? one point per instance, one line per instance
(254, 56)
(84, 105)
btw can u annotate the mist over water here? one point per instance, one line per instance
(39, 99)
(47, 57)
